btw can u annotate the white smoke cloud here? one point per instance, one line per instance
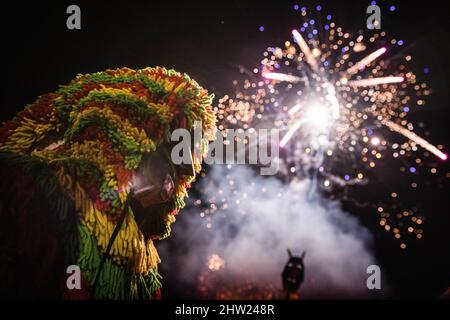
(263, 218)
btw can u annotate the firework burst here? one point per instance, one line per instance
(341, 102)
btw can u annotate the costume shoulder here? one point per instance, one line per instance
(38, 232)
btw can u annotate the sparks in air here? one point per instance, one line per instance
(341, 103)
(311, 57)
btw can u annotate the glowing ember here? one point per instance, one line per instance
(215, 262)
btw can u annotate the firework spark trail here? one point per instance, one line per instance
(375, 81)
(294, 109)
(305, 48)
(360, 65)
(282, 77)
(290, 133)
(414, 137)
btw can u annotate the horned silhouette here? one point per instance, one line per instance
(293, 273)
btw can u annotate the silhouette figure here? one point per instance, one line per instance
(293, 273)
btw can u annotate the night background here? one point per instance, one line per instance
(210, 41)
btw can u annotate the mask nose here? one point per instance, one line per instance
(167, 188)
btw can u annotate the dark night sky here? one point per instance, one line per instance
(208, 40)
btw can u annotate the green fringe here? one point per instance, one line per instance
(79, 246)
(139, 107)
(115, 282)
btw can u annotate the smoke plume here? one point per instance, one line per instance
(256, 220)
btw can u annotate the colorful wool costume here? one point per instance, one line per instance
(66, 163)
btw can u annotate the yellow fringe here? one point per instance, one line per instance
(129, 248)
